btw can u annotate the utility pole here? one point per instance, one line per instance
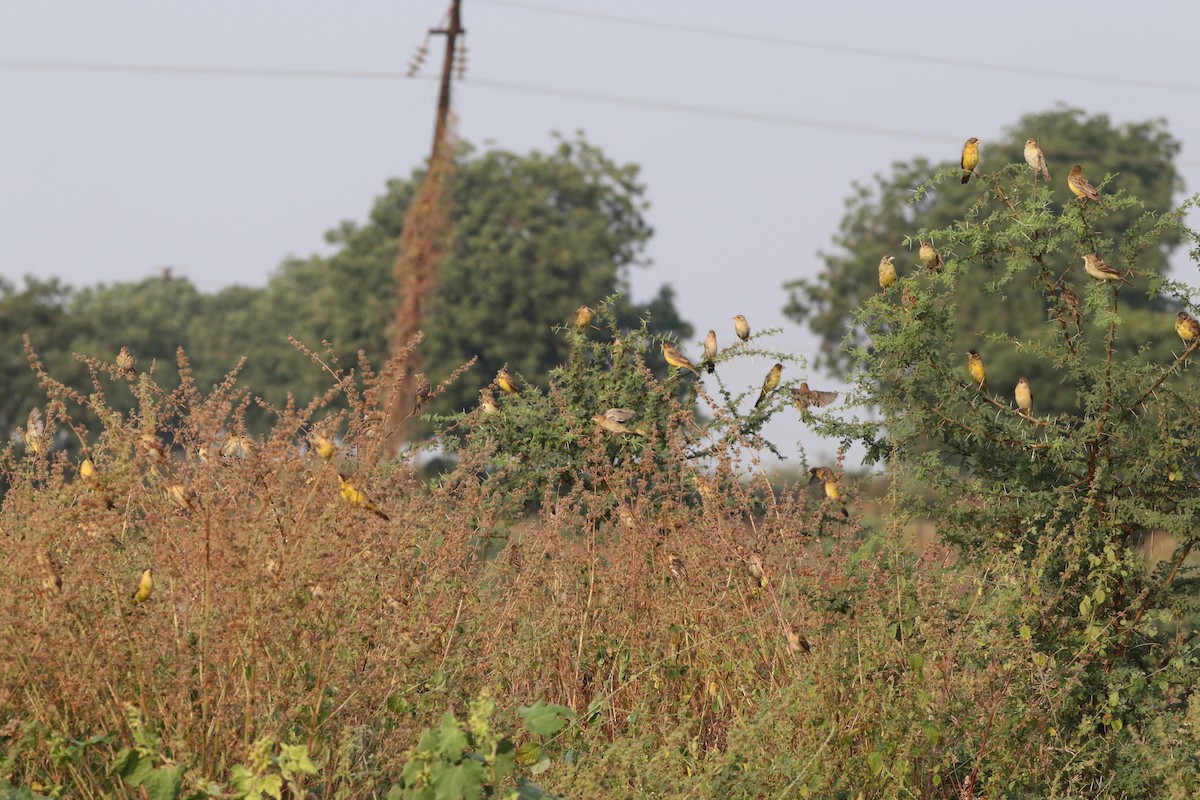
(451, 32)
(426, 226)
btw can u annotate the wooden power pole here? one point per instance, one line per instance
(426, 224)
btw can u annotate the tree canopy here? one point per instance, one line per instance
(1134, 159)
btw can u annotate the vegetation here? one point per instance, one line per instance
(582, 609)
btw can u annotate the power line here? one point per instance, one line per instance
(1111, 80)
(509, 86)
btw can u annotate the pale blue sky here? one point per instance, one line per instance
(110, 176)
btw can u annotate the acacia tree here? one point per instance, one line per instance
(1135, 158)
(1050, 507)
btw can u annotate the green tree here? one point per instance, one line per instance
(1135, 159)
(1050, 508)
(41, 310)
(534, 237)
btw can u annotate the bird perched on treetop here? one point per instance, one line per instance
(583, 317)
(970, 158)
(975, 367)
(832, 490)
(1036, 159)
(1082, 188)
(741, 327)
(1024, 397)
(125, 361)
(930, 258)
(887, 271)
(1185, 325)
(710, 351)
(769, 384)
(506, 382)
(1101, 270)
(676, 358)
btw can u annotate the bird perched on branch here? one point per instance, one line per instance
(583, 317)
(975, 368)
(506, 382)
(741, 327)
(832, 490)
(1024, 397)
(931, 259)
(677, 359)
(1082, 188)
(355, 497)
(1187, 327)
(1101, 270)
(1036, 159)
(710, 352)
(769, 384)
(145, 587)
(970, 158)
(887, 271)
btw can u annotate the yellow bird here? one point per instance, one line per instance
(1101, 270)
(145, 588)
(970, 158)
(975, 367)
(506, 382)
(583, 317)
(887, 271)
(87, 470)
(355, 497)
(1024, 397)
(324, 447)
(182, 497)
(828, 479)
(804, 397)
(1187, 327)
(931, 259)
(741, 327)
(126, 361)
(1036, 159)
(676, 358)
(710, 351)
(1082, 188)
(769, 384)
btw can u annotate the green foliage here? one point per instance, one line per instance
(1131, 160)
(1057, 502)
(271, 771)
(466, 760)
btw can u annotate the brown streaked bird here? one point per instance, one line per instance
(796, 643)
(677, 359)
(804, 397)
(1187, 327)
(35, 431)
(741, 327)
(421, 392)
(1101, 270)
(487, 401)
(829, 479)
(931, 259)
(1072, 302)
(887, 271)
(506, 382)
(611, 425)
(976, 369)
(620, 414)
(1036, 159)
(1024, 397)
(769, 384)
(181, 497)
(355, 497)
(126, 361)
(583, 317)
(710, 352)
(755, 567)
(1082, 188)
(970, 158)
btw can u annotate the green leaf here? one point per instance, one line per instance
(529, 753)
(463, 781)
(932, 733)
(875, 762)
(452, 739)
(164, 783)
(544, 719)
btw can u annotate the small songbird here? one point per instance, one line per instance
(832, 490)
(87, 469)
(804, 397)
(1082, 188)
(975, 367)
(421, 392)
(931, 259)
(620, 414)
(710, 351)
(1024, 398)
(769, 384)
(1101, 270)
(182, 497)
(611, 423)
(970, 158)
(237, 447)
(755, 567)
(583, 317)
(887, 271)
(324, 447)
(1036, 159)
(126, 361)
(355, 497)
(145, 588)
(796, 643)
(1185, 325)
(1072, 302)
(676, 358)
(487, 401)
(506, 382)
(35, 432)
(741, 327)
